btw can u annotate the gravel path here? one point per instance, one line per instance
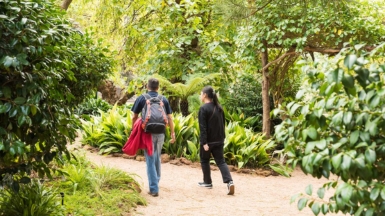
(180, 195)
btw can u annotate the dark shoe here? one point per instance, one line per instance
(153, 194)
(230, 188)
(202, 184)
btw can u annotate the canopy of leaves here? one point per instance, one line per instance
(46, 69)
(171, 38)
(338, 129)
(317, 28)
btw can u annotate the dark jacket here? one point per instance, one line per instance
(141, 101)
(211, 124)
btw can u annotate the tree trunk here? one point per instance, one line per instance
(184, 107)
(174, 103)
(65, 4)
(113, 94)
(266, 124)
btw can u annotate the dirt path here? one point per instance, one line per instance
(180, 195)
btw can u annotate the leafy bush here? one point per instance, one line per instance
(253, 122)
(186, 130)
(46, 69)
(92, 106)
(244, 94)
(109, 131)
(340, 132)
(243, 147)
(32, 199)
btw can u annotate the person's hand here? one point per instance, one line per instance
(206, 147)
(172, 141)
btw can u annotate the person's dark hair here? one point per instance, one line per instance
(153, 84)
(212, 95)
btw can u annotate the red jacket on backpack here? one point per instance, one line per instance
(138, 140)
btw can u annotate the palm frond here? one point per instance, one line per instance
(193, 84)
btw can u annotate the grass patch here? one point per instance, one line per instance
(97, 190)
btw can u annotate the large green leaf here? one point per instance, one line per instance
(350, 60)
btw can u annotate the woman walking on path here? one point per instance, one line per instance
(212, 135)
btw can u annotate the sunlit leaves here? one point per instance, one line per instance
(353, 133)
(47, 68)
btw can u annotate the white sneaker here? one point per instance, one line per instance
(230, 188)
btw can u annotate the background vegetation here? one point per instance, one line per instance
(250, 51)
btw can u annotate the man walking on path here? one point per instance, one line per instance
(153, 162)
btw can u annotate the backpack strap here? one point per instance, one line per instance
(146, 96)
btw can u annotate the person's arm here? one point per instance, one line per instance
(202, 126)
(134, 118)
(136, 109)
(171, 123)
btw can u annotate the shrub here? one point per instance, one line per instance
(186, 130)
(340, 132)
(244, 95)
(46, 69)
(243, 147)
(109, 131)
(32, 199)
(91, 106)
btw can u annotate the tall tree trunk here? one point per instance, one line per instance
(266, 124)
(65, 4)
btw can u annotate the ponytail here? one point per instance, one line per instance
(212, 95)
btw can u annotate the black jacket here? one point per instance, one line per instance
(211, 124)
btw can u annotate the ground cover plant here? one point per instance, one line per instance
(31, 199)
(96, 190)
(80, 188)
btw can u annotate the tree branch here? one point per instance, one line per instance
(278, 59)
(65, 4)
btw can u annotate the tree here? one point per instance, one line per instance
(171, 38)
(292, 31)
(336, 127)
(46, 69)
(193, 85)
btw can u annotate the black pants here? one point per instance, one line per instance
(217, 152)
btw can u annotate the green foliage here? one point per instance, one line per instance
(46, 69)
(32, 199)
(243, 147)
(317, 28)
(340, 132)
(172, 38)
(183, 91)
(253, 122)
(92, 106)
(109, 131)
(244, 95)
(186, 131)
(97, 190)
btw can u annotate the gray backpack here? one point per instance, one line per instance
(154, 118)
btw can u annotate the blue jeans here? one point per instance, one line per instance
(153, 162)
